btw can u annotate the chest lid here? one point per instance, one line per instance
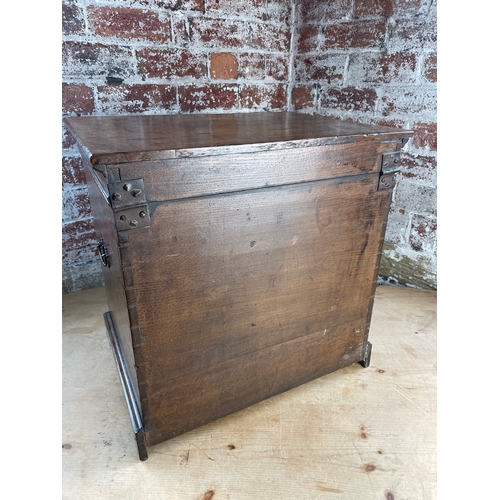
(118, 139)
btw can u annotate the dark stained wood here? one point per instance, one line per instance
(250, 379)
(119, 139)
(240, 274)
(253, 268)
(104, 224)
(127, 385)
(189, 177)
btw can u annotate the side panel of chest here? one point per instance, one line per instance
(105, 228)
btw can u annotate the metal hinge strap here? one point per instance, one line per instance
(133, 217)
(127, 193)
(390, 166)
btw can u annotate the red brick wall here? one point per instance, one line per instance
(353, 59)
(161, 56)
(375, 62)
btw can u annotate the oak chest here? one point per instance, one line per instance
(240, 254)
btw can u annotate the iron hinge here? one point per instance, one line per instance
(127, 193)
(132, 218)
(391, 163)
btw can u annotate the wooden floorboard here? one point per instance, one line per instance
(357, 434)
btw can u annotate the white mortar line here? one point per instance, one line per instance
(293, 52)
(346, 69)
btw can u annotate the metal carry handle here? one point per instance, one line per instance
(103, 252)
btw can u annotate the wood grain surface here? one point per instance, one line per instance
(119, 139)
(189, 177)
(104, 225)
(354, 434)
(252, 293)
(244, 252)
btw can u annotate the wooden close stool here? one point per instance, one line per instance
(240, 254)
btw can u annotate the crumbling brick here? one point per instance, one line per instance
(205, 97)
(77, 98)
(129, 24)
(171, 63)
(119, 99)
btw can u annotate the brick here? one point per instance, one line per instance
(81, 255)
(171, 63)
(129, 24)
(77, 98)
(269, 37)
(415, 197)
(370, 8)
(223, 66)
(278, 11)
(67, 139)
(408, 7)
(82, 276)
(308, 39)
(325, 68)
(180, 31)
(277, 67)
(219, 33)
(303, 97)
(247, 8)
(208, 97)
(367, 8)
(85, 60)
(429, 9)
(72, 19)
(419, 168)
(401, 101)
(136, 98)
(398, 68)
(78, 234)
(252, 66)
(314, 11)
(397, 225)
(391, 123)
(423, 233)
(425, 136)
(350, 99)
(76, 204)
(174, 4)
(263, 96)
(355, 35)
(398, 265)
(429, 71)
(72, 170)
(413, 34)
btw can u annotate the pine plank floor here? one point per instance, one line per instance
(357, 434)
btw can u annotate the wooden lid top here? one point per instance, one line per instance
(118, 139)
